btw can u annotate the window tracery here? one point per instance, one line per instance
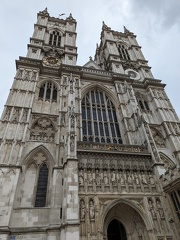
(55, 38)
(35, 181)
(42, 130)
(99, 119)
(142, 102)
(48, 92)
(123, 52)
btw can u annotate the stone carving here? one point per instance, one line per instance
(158, 139)
(113, 177)
(26, 75)
(72, 142)
(71, 86)
(151, 208)
(16, 115)
(151, 179)
(42, 130)
(138, 226)
(25, 114)
(82, 210)
(19, 74)
(143, 178)
(105, 178)
(98, 177)
(81, 177)
(129, 178)
(33, 76)
(136, 179)
(7, 114)
(91, 209)
(89, 178)
(159, 208)
(31, 237)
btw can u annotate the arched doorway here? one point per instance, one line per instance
(116, 231)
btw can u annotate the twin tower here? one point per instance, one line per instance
(87, 152)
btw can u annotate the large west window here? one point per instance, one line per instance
(99, 119)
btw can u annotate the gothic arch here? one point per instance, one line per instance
(107, 91)
(41, 82)
(56, 28)
(121, 204)
(34, 190)
(40, 149)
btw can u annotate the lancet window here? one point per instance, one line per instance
(48, 92)
(55, 38)
(123, 52)
(142, 102)
(175, 196)
(99, 119)
(41, 191)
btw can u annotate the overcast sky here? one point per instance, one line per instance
(156, 24)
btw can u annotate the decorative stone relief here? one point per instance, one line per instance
(26, 75)
(16, 115)
(42, 130)
(159, 141)
(25, 115)
(7, 114)
(127, 177)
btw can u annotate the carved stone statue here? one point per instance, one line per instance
(159, 208)
(98, 178)
(82, 210)
(151, 208)
(113, 177)
(89, 178)
(106, 180)
(81, 178)
(136, 179)
(91, 209)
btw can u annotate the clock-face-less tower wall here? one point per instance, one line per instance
(89, 151)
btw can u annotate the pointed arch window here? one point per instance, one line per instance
(41, 192)
(123, 52)
(55, 38)
(99, 119)
(48, 92)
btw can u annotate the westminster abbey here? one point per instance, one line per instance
(88, 152)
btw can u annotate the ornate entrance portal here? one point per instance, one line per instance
(125, 220)
(116, 231)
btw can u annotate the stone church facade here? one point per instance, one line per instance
(88, 152)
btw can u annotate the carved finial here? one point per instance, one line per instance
(104, 26)
(70, 17)
(126, 30)
(90, 58)
(44, 12)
